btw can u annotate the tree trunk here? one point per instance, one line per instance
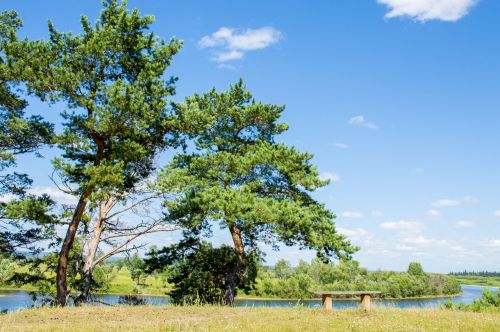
(88, 267)
(93, 245)
(234, 271)
(62, 266)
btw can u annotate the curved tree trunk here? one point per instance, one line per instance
(233, 273)
(62, 266)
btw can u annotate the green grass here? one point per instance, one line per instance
(122, 283)
(146, 318)
(479, 281)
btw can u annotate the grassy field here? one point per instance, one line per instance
(479, 281)
(122, 283)
(147, 318)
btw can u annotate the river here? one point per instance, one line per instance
(12, 300)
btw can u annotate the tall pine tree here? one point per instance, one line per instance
(111, 77)
(241, 179)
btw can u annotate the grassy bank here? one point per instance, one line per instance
(244, 319)
(478, 280)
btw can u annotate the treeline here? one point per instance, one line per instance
(285, 281)
(476, 273)
(279, 281)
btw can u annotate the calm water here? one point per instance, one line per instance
(17, 299)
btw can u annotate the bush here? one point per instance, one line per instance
(200, 277)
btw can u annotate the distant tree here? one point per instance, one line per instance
(112, 78)
(241, 179)
(283, 269)
(415, 269)
(136, 266)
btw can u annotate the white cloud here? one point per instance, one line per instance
(496, 213)
(404, 226)
(226, 66)
(421, 241)
(433, 213)
(351, 214)
(355, 233)
(333, 177)
(230, 44)
(417, 170)
(377, 214)
(445, 202)
(404, 247)
(54, 193)
(7, 198)
(423, 10)
(464, 224)
(493, 243)
(361, 121)
(341, 146)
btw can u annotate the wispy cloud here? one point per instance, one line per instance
(404, 226)
(433, 214)
(423, 10)
(496, 213)
(351, 214)
(54, 193)
(355, 233)
(333, 177)
(464, 224)
(377, 214)
(445, 202)
(228, 44)
(342, 146)
(422, 241)
(417, 170)
(360, 120)
(493, 243)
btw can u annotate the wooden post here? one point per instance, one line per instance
(327, 301)
(365, 302)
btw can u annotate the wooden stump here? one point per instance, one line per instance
(327, 301)
(366, 300)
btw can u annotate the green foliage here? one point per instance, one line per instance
(24, 219)
(241, 179)
(489, 301)
(136, 267)
(302, 281)
(111, 77)
(415, 269)
(199, 271)
(8, 268)
(102, 276)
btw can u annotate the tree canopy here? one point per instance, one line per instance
(25, 219)
(240, 178)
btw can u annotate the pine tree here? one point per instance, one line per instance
(241, 179)
(111, 77)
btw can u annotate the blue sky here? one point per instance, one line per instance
(398, 100)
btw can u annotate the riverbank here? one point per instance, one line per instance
(256, 298)
(425, 297)
(491, 281)
(210, 318)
